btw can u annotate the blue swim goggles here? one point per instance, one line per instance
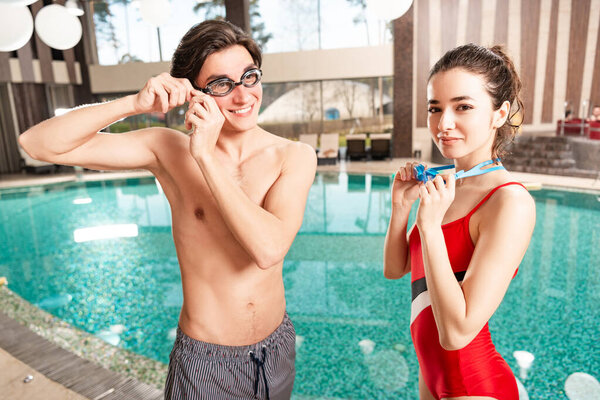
(423, 174)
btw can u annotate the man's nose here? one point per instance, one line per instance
(240, 94)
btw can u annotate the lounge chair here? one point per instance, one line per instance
(380, 145)
(310, 139)
(329, 149)
(355, 146)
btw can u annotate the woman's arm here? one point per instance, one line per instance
(396, 261)
(405, 190)
(506, 226)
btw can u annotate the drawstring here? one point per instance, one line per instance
(260, 364)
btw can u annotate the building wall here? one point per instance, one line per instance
(555, 45)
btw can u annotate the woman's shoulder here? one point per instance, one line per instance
(510, 200)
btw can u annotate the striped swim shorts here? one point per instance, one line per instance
(264, 370)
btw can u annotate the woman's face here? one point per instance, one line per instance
(461, 118)
(240, 107)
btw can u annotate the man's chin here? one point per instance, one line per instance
(239, 127)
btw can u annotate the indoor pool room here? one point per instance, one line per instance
(100, 256)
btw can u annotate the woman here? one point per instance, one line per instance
(470, 234)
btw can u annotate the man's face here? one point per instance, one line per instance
(240, 107)
(596, 113)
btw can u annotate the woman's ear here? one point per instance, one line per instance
(501, 114)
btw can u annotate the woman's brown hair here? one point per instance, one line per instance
(501, 82)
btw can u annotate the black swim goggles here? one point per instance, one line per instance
(223, 86)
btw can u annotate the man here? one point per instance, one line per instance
(237, 195)
(595, 113)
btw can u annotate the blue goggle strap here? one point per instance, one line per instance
(476, 170)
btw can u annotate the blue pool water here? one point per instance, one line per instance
(352, 324)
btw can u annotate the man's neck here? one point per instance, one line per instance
(237, 145)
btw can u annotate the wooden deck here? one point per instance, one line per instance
(78, 374)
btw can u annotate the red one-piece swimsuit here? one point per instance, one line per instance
(475, 370)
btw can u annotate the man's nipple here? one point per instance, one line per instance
(199, 213)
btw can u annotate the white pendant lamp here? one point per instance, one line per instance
(16, 26)
(57, 27)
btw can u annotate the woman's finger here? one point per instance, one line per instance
(438, 181)
(430, 186)
(424, 194)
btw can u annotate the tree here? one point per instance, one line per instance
(215, 9)
(105, 30)
(361, 17)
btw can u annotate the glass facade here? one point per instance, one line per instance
(122, 35)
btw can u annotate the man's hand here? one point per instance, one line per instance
(205, 118)
(163, 93)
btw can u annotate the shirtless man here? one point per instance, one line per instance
(237, 196)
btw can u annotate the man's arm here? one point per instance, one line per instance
(267, 232)
(73, 138)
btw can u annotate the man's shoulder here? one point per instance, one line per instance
(292, 149)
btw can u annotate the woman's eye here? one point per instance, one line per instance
(432, 110)
(464, 107)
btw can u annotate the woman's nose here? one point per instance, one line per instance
(446, 121)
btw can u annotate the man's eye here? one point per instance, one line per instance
(251, 77)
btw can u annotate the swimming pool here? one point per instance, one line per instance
(352, 324)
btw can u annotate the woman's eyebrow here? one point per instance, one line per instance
(454, 99)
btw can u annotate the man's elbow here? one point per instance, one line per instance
(25, 143)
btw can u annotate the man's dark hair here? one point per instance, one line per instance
(204, 39)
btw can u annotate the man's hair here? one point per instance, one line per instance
(204, 39)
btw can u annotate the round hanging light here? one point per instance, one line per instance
(21, 3)
(155, 12)
(74, 8)
(16, 26)
(57, 27)
(389, 10)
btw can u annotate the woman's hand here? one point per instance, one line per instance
(204, 116)
(163, 93)
(405, 189)
(436, 197)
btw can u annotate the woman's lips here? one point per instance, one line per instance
(449, 140)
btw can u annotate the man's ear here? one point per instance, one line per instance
(501, 114)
